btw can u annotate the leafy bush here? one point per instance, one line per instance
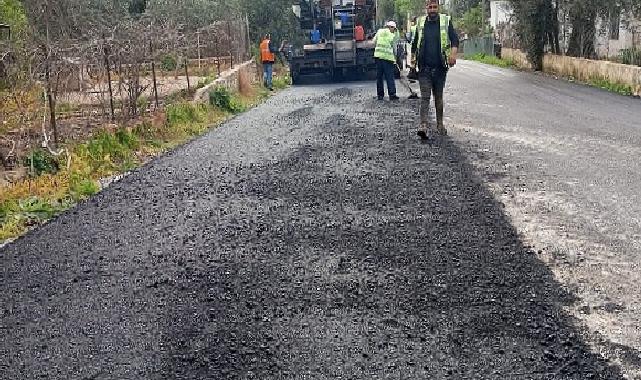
(220, 97)
(43, 162)
(168, 63)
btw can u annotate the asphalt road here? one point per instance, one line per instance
(315, 237)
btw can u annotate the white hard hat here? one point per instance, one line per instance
(391, 23)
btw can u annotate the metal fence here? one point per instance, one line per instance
(478, 45)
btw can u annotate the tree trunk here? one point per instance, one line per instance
(583, 21)
(153, 74)
(111, 93)
(52, 104)
(187, 72)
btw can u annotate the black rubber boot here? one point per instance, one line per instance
(440, 127)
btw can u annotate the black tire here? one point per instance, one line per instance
(295, 77)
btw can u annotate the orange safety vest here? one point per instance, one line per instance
(265, 54)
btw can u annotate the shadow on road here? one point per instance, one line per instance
(367, 253)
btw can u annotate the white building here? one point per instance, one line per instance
(501, 12)
(617, 33)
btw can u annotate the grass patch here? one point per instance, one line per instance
(491, 60)
(57, 186)
(622, 89)
(281, 82)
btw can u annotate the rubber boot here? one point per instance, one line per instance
(440, 127)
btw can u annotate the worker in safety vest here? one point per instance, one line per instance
(413, 29)
(268, 57)
(434, 50)
(385, 56)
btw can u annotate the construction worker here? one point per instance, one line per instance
(267, 57)
(434, 50)
(385, 56)
(413, 29)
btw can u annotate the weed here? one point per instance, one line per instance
(605, 84)
(630, 56)
(491, 60)
(82, 188)
(142, 103)
(281, 82)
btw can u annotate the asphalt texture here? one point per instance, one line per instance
(314, 237)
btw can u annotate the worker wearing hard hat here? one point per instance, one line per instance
(385, 56)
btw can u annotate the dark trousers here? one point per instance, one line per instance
(385, 69)
(432, 81)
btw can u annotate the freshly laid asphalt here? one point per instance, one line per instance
(313, 237)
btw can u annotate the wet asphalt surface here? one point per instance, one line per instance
(313, 237)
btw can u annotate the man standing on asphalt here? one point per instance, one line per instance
(413, 29)
(434, 49)
(268, 57)
(385, 57)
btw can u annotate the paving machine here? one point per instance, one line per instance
(338, 38)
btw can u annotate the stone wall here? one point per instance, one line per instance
(229, 79)
(582, 69)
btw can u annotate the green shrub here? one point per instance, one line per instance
(168, 63)
(222, 99)
(43, 162)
